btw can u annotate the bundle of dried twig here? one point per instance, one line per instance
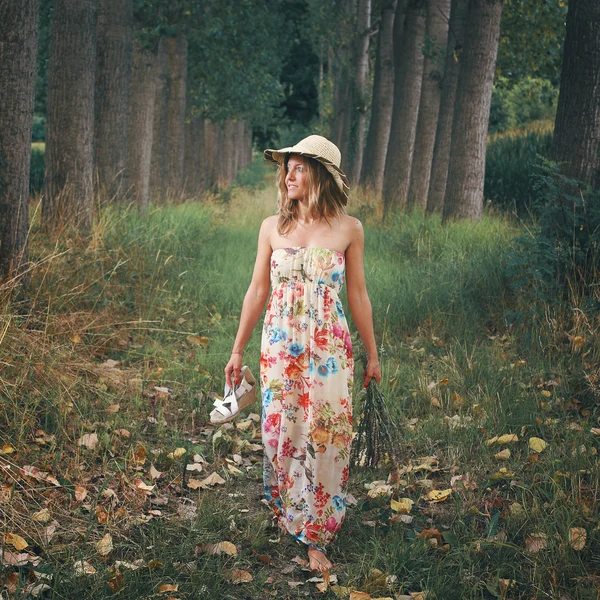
(377, 438)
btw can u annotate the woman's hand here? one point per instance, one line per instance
(373, 370)
(233, 369)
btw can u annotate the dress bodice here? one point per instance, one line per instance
(308, 265)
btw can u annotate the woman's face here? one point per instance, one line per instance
(296, 180)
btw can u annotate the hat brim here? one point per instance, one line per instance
(278, 156)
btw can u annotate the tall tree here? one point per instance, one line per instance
(113, 74)
(18, 48)
(438, 14)
(383, 99)
(159, 166)
(443, 135)
(141, 123)
(576, 141)
(466, 172)
(176, 49)
(408, 66)
(70, 120)
(358, 100)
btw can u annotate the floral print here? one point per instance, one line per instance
(306, 369)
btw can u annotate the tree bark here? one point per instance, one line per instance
(408, 66)
(228, 148)
(68, 197)
(176, 52)
(383, 100)
(18, 50)
(113, 75)
(438, 14)
(358, 106)
(141, 122)
(443, 136)
(159, 166)
(466, 172)
(576, 141)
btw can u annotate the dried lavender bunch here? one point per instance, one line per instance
(377, 437)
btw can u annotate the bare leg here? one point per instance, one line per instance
(318, 561)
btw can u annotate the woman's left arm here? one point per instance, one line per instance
(358, 300)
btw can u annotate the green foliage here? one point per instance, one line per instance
(37, 168)
(515, 104)
(510, 162)
(531, 39)
(38, 132)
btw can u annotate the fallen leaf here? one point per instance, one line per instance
(194, 467)
(7, 449)
(123, 433)
(354, 595)
(431, 534)
(140, 485)
(508, 438)
(89, 440)
(295, 584)
(154, 473)
(113, 408)
(439, 495)
(503, 473)
(154, 564)
(536, 542)
(503, 454)
(240, 576)
(105, 545)
(168, 587)
(402, 505)
(537, 444)
(139, 456)
(577, 537)
(16, 541)
(177, 453)
(221, 548)
(41, 516)
(82, 567)
(115, 583)
(80, 493)
(199, 340)
(212, 479)
(491, 441)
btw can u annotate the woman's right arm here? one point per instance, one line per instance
(254, 300)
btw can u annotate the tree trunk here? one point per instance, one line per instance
(438, 14)
(358, 106)
(18, 50)
(228, 153)
(443, 136)
(576, 141)
(211, 142)
(68, 197)
(113, 75)
(383, 100)
(195, 159)
(176, 51)
(466, 172)
(408, 66)
(141, 121)
(159, 167)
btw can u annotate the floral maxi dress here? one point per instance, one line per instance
(306, 370)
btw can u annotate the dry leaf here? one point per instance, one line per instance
(113, 408)
(139, 456)
(199, 340)
(354, 595)
(221, 548)
(82, 567)
(7, 449)
(168, 587)
(503, 473)
(154, 473)
(402, 505)
(577, 537)
(80, 493)
(41, 516)
(508, 438)
(16, 541)
(212, 479)
(89, 440)
(194, 467)
(105, 545)
(503, 454)
(537, 444)
(536, 542)
(439, 495)
(491, 441)
(123, 433)
(240, 576)
(115, 583)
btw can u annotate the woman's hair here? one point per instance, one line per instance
(325, 199)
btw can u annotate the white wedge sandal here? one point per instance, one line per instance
(234, 399)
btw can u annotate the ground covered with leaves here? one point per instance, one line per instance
(114, 484)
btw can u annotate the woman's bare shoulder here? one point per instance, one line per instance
(353, 227)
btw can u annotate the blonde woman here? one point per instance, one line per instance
(305, 253)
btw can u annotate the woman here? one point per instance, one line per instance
(305, 252)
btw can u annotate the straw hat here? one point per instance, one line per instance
(319, 148)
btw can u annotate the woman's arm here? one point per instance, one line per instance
(358, 300)
(254, 301)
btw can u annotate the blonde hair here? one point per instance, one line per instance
(325, 199)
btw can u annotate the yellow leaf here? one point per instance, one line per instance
(439, 495)
(199, 340)
(537, 444)
(503, 473)
(177, 453)
(491, 441)
(222, 548)
(508, 438)
(359, 596)
(7, 449)
(402, 505)
(240, 576)
(546, 393)
(503, 454)
(105, 545)
(15, 540)
(41, 516)
(577, 537)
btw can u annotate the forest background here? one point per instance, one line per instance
(470, 132)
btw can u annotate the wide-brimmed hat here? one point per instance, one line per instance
(319, 148)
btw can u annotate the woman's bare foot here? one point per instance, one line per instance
(318, 561)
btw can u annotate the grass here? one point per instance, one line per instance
(160, 293)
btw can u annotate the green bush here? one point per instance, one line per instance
(38, 132)
(36, 168)
(510, 163)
